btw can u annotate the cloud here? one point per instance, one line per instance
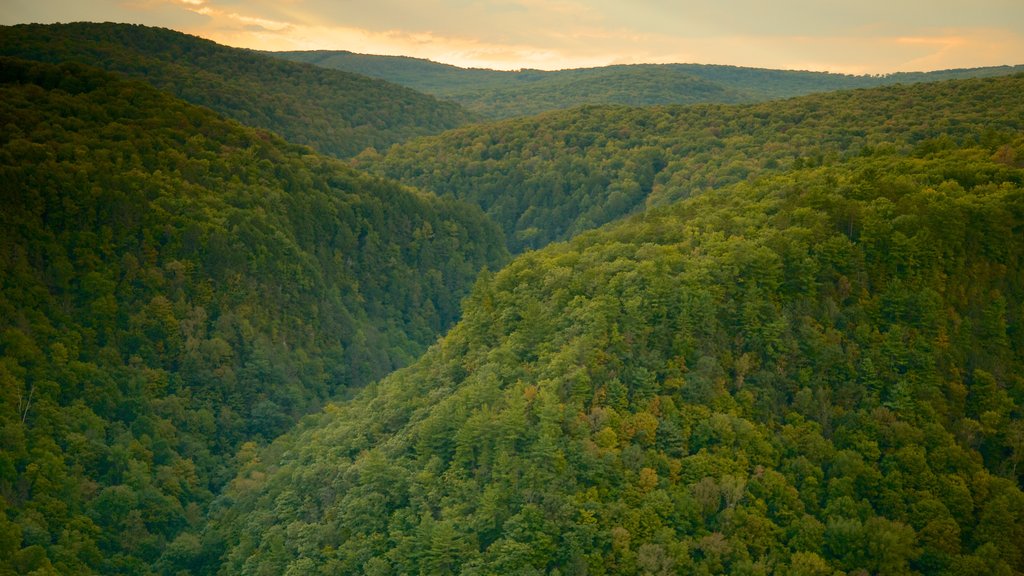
(931, 50)
(870, 36)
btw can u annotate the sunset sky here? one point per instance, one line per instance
(867, 36)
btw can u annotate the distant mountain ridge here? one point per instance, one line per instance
(335, 112)
(502, 94)
(548, 177)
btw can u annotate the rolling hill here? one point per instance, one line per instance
(548, 177)
(780, 338)
(176, 289)
(335, 112)
(503, 94)
(815, 373)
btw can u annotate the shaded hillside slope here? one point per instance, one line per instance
(551, 176)
(503, 94)
(499, 94)
(335, 112)
(817, 373)
(174, 290)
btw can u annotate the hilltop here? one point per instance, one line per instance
(549, 177)
(335, 112)
(502, 94)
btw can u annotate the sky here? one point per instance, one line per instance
(849, 36)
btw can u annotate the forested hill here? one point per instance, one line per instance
(503, 94)
(498, 94)
(551, 176)
(818, 373)
(174, 290)
(335, 112)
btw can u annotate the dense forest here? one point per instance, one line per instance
(175, 290)
(816, 373)
(548, 177)
(499, 94)
(337, 113)
(775, 338)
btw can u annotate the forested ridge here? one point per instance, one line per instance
(816, 373)
(176, 290)
(551, 176)
(496, 94)
(758, 339)
(335, 112)
(499, 94)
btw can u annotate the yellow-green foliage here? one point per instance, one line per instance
(552, 176)
(173, 285)
(334, 112)
(816, 373)
(498, 94)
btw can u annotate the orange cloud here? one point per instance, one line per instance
(579, 38)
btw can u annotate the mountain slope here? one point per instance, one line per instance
(549, 177)
(335, 112)
(176, 289)
(534, 91)
(817, 373)
(498, 94)
(427, 76)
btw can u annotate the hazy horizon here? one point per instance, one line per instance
(869, 38)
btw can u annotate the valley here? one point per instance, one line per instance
(270, 317)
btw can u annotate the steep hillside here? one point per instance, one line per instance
(818, 373)
(335, 112)
(549, 177)
(174, 290)
(499, 94)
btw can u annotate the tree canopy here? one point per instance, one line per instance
(337, 113)
(497, 94)
(779, 338)
(176, 289)
(551, 176)
(815, 373)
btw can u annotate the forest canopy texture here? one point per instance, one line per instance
(815, 373)
(549, 177)
(784, 338)
(337, 113)
(497, 94)
(175, 285)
